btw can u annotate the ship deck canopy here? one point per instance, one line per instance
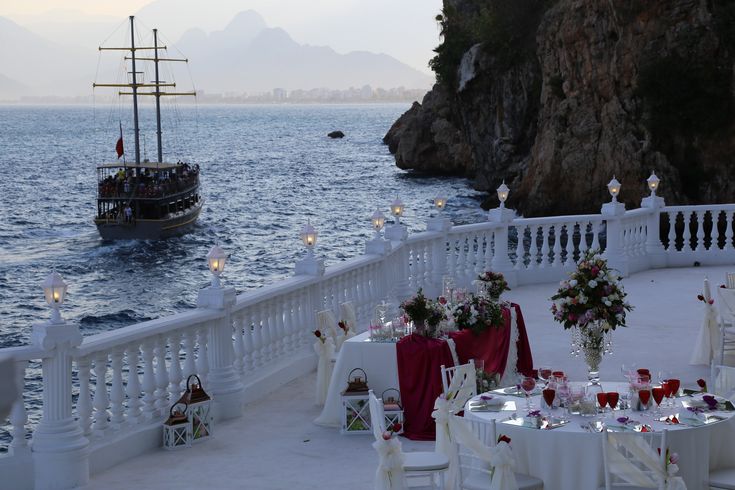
(143, 165)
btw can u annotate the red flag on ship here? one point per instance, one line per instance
(119, 146)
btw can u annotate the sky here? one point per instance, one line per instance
(404, 29)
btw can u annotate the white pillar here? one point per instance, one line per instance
(654, 248)
(613, 212)
(223, 382)
(60, 450)
(501, 259)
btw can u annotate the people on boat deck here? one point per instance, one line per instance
(128, 214)
(150, 184)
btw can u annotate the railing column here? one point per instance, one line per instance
(654, 248)
(60, 450)
(501, 259)
(223, 380)
(614, 253)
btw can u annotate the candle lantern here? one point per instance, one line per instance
(177, 431)
(355, 404)
(199, 411)
(392, 408)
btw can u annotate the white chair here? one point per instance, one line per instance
(475, 473)
(631, 462)
(723, 381)
(722, 479)
(327, 325)
(415, 464)
(467, 385)
(348, 314)
(730, 280)
(727, 322)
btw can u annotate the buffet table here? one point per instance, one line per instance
(570, 457)
(415, 361)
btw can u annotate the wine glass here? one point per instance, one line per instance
(544, 373)
(602, 400)
(528, 384)
(644, 396)
(549, 395)
(612, 400)
(658, 395)
(628, 371)
(673, 391)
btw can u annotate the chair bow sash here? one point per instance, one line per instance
(390, 474)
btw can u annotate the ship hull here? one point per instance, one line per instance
(150, 229)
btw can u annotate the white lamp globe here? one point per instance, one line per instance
(54, 290)
(653, 182)
(378, 221)
(503, 192)
(614, 188)
(396, 209)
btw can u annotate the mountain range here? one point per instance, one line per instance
(245, 56)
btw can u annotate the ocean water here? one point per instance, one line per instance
(266, 170)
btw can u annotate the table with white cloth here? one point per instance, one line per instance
(570, 457)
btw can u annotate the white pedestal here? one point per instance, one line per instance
(377, 246)
(438, 223)
(396, 232)
(310, 266)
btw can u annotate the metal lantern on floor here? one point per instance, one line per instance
(177, 429)
(199, 411)
(392, 408)
(355, 404)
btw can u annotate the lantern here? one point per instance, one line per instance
(653, 182)
(216, 259)
(614, 188)
(440, 202)
(355, 404)
(54, 289)
(378, 221)
(503, 192)
(177, 431)
(199, 409)
(308, 237)
(396, 209)
(392, 408)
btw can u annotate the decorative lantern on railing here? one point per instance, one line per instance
(653, 182)
(308, 237)
(378, 221)
(199, 409)
(177, 429)
(216, 259)
(440, 202)
(503, 192)
(392, 408)
(54, 289)
(396, 209)
(355, 404)
(614, 188)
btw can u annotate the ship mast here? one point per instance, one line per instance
(135, 91)
(158, 98)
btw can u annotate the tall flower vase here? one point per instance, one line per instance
(591, 338)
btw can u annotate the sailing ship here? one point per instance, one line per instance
(143, 199)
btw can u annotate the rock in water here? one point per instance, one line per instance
(336, 134)
(577, 92)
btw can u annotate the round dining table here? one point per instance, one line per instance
(569, 457)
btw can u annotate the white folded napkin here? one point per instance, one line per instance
(491, 400)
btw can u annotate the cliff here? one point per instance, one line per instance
(556, 97)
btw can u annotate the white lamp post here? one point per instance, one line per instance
(54, 289)
(439, 222)
(378, 221)
(309, 265)
(653, 182)
(614, 188)
(501, 213)
(503, 192)
(308, 237)
(396, 209)
(440, 202)
(216, 259)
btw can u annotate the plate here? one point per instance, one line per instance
(479, 406)
(542, 423)
(513, 391)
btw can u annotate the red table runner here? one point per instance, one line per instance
(420, 359)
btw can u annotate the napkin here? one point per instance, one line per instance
(490, 400)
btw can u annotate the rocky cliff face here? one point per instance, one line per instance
(611, 87)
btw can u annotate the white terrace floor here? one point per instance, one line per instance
(276, 445)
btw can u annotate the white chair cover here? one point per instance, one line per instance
(510, 373)
(459, 382)
(324, 351)
(723, 380)
(390, 474)
(347, 312)
(646, 456)
(327, 324)
(708, 340)
(499, 457)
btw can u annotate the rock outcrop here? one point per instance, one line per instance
(609, 88)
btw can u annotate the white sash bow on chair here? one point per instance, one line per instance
(708, 340)
(390, 474)
(623, 468)
(325, 351)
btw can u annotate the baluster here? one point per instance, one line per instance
(672, 231)
(728, 230)
(271, 322)
(18, 414)
(486, 264)
(569, 249)
(545, 233)
(132, 390)
(248, 363)
(474, 256)
(687, 245)
(583, 246)
(117, 392)
(557, 245)
(701, 246)
(202, 362)
(520, 248)
(595, 227)
(294, 319)
(461, 260)
(238, 345)
(101, 400)
(175, 375)
(716, 235)
(279, 312)
(534, 249)
(84, 402)
(189, 352)
(452, 257)
(258, 359)
(161, 374)
(149, 380)
(264, 333)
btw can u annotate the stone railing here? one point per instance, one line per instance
(105, 396)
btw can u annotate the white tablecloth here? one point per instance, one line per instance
(570, 458)
(377, 359)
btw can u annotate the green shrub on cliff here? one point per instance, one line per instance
(507, 29)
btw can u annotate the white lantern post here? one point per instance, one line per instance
(654, 248)
(502, 214)
(216, 259)
(396, 231)
(613, 212)
(377, 246)
(439, 222)
(309, 265)
(613, 208)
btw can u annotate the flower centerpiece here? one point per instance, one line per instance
(493, 284)
(592, 302)
(424, 313)
(477, 313)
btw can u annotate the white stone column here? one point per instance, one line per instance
(613, 212)
(60, 450)
(501, 259)
(223, 382)
(654, 248)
